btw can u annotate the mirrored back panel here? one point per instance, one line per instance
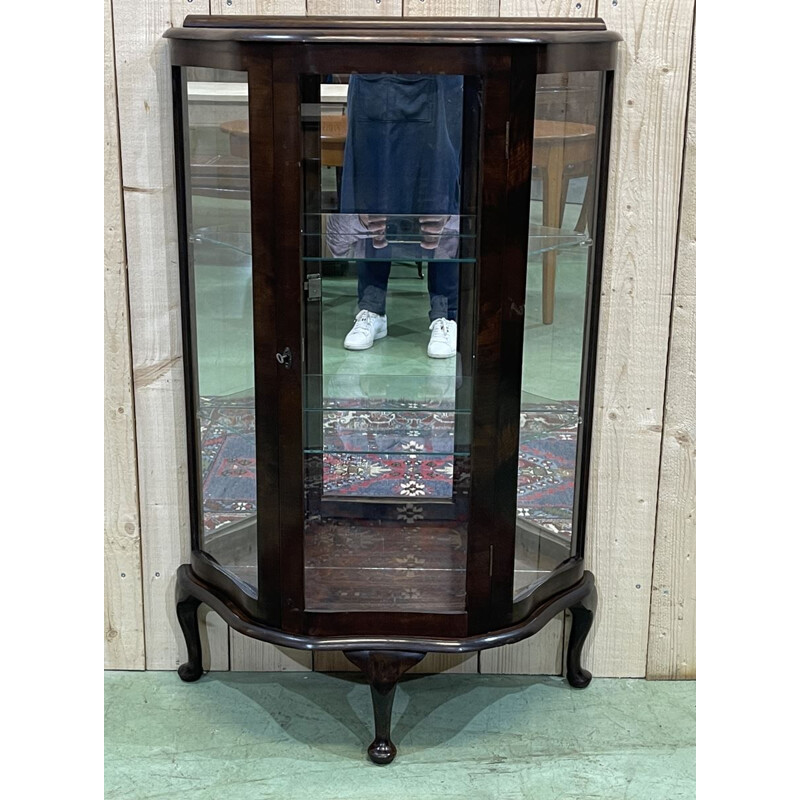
(389, 260)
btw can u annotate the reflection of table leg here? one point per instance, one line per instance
(587, 210)
(552, 212)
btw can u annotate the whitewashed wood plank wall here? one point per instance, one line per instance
(124, 620)
(641, 530)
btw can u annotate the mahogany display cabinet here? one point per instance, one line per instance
(433, 192)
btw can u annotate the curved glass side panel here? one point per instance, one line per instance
(221, 300)
(561, 212)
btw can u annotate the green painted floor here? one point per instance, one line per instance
(241, 736)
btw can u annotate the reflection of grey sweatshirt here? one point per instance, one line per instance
(346, 236)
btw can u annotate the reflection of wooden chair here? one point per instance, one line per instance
(561, 151)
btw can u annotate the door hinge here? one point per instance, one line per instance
(313, 286)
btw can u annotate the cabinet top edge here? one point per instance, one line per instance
(406, 30)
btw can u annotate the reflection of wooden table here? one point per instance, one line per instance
(561, 150)
(333, 132)
(239, 131)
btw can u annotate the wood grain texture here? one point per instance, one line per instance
(547, 8)
(451, 8)
(541, 654)
(124, 620)
(145, 114)
(214, 635)
(334, 661)
(272, 8)
(671, 650)
(643, 205)
(252, 655)
(445, 662)
(355, 8)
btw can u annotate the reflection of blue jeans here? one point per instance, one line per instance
(373, 278)
(403, 156)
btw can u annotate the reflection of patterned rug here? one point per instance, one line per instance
(376, 453)
(227, 436)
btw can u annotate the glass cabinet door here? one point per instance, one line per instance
(220, 273)
(388, 258)
(565, 135)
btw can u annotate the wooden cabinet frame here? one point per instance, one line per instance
(504, 58)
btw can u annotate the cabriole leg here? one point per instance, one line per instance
(383, 669)
(582, 618)
(187, 616)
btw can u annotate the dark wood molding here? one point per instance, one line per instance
(190, 585)
(393, 30)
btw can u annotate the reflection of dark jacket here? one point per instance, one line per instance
(403, 148)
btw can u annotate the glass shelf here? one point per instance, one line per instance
(227, 415)
(397, 252)
(235, 242)
(343, 237)
(365, 445)
(388, 237)
(222, 245)
(234, 413)
(361, 447)
(383, 431)
(400, 393)
(543, 240)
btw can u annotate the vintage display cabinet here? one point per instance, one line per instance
(391, 234)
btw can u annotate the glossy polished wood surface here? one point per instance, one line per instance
(306, 597)
(431, 30)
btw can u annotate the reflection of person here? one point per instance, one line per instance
(402, 157)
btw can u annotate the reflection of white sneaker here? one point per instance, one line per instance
(443, 338)
(367, 329)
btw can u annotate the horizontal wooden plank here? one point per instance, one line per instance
(547, 8)
(539, 655)
(270, 8)
(451, 8)
(252, 655)
(355, 8)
